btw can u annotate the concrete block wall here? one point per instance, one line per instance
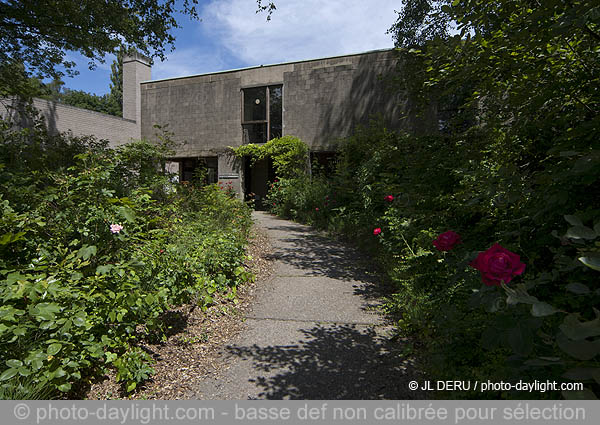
(323, 100)
(81, 122)
(204, 113)
(136, 68)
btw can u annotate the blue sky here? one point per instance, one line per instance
(231, 35)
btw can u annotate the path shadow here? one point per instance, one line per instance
(336, 362)
(312, 254)
(316, 255)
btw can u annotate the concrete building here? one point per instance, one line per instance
(318, 101)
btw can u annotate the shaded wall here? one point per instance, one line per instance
(325, 100)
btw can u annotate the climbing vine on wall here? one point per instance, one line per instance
(289, 155)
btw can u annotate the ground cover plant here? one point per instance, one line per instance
(490, 228)
(95, 245)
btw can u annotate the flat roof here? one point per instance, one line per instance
(269, 65)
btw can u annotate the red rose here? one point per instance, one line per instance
(389, 198)
(447, 240)
(498, 264)
(377, 231)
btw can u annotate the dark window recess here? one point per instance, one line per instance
(262, 113)
(323, 163)
(187, 170)
(255, 104)
(275, 112)
(200, 170)
(255, 133)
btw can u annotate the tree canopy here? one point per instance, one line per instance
(35, 35)
(531, 66)
(419, 21)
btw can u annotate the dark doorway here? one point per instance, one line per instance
(257, 178)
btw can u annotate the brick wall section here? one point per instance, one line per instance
(81, 122)
(322, 99)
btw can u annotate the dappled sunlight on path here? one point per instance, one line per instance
(313, 331)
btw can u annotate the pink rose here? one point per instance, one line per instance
(377, 231)
(116, 228)
(498, 264)
(447, 240)
(389, 198)
(317, 209)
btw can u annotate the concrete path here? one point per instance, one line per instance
(313, 332)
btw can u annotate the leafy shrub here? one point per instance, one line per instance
(94, 246)
(483, 185)
(133, 367)
(289, 155)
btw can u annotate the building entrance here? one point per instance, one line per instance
(257, 178)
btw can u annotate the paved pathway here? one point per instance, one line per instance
(312, 332)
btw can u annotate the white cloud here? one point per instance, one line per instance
(300, 29)
(187, 61)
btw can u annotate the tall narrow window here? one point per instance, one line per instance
(262, 113)
(275, 112)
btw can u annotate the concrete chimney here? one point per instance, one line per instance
(136, 68)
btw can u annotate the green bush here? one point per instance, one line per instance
(484, 185)
(95, 242)
(289, 155)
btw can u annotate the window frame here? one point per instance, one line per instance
(266, 121)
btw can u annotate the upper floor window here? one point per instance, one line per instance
(262, 113)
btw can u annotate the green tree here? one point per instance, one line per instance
(268, 6)
(420, 21)
(38, 33)
(55, 92)
(85, 100)
(532, 67)
(116, 82)
(529, 72)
